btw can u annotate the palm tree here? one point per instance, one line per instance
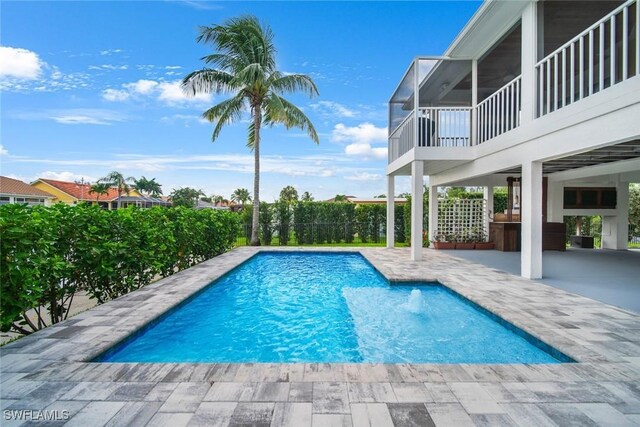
(306, 197)
(149, 186)
(340, 198)
(218, 200)
(244, 65)
(99, 189)
(289, 194)
(117, 180)
(241, 196)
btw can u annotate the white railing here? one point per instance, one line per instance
(402, 139)
(444, 127)
(594, 60)
(499, 113)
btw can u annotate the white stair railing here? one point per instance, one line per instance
(594, 60)
(500, 112)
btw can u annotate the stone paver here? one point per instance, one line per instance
(52, 370)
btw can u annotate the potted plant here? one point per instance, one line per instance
(482, 243)
(443, 241)
(465, 241)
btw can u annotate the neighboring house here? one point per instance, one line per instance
(370, 200)
(207, 205)
(72, 193)
(333, 199)
(544, 94)
(16, 191)
(375, 200)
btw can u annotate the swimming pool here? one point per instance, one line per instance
(327, 307)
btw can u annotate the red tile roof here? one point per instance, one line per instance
(81, 191)
(19, 188)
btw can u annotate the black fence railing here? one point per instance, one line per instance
(348, 233)
(634, 234)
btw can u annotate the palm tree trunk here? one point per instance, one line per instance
(119, 193)
(255, 241)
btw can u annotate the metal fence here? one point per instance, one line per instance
(634, 234)
(348, 233)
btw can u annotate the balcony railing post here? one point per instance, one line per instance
(529, 28)
(474, 102)
(416, 101)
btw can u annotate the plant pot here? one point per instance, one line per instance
(465, 245)
(485, 245)
(444, 245)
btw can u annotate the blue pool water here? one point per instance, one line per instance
(319, 307)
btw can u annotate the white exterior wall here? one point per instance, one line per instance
(615, 228)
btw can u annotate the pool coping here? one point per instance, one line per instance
(604, 340)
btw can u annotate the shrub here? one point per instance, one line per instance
(283, 214)
(48, 254)
(266, 223)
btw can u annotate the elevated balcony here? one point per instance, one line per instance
(445, 102)
(443, 114)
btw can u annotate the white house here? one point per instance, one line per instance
(546, 93)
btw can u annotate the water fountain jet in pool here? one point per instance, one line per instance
(415, 302)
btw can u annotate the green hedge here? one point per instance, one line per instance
(48, 254)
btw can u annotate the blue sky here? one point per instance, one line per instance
(90, 87)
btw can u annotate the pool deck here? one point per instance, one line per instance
(48, 370)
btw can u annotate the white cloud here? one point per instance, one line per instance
(364, 133)
(171, 93)
(19, 63)
(142, 86)
(168, 92)
(115, 95)
(187, 119)
(109, 67)
(296, 166)
(363, 176)
(334, 109)
(109, 52)
(366, 151)
(360, 140)
(199, 4)
(3, 151)
(74, 116)
(173, 67)
(65, 176)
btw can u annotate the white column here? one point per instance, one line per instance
(417, 171)
(488, 196)
(531, 217)
(622, 208)
(615, 228)
(529, 58)
(433, 212)
(555, 201)
(391, 191)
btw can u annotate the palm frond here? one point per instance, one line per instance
(290, 116)
(293, 83)
(250, 75)
(208, 81)
(227, 111)
(251, 135)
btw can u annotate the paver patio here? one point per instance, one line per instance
(50, 371)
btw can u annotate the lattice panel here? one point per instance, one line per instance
(462, 219)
